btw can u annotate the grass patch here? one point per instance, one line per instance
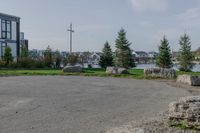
(100, 72)
(189, 73)
(29, 72)
(133, 73)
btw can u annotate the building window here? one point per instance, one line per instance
(6, 29)
(3, 47)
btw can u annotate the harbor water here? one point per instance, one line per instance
(196, 68)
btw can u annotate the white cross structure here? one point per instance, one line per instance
(71, 31)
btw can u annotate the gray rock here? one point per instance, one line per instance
(116, 70)
(111, 70)
(72, 69)
(186, 110)
(188, 79)
(160, 73)
(122, 71)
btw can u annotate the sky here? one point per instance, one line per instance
(45, 22)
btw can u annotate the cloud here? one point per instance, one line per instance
(149, 5)
(190, 18)
(190, 14)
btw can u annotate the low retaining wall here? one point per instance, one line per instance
(188, 79)
(187, 111)
(160, 73)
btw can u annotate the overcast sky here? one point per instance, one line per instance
(45, 22)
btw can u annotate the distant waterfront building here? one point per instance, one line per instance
(64, 54)
(94, 58)
(23, 41)
(152, 54)
(142, 57)
(33, 54)
(36, 54)
(9, 34)
(141, 54)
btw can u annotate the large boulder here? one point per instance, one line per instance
(188, 79)
(111, 70)
(116, 70)
(186, 110)
(160, 73)
(72, 69)
(122, 70)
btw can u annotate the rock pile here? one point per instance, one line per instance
(160, 73)
(188, 79)
(116, 70)
(187, 111)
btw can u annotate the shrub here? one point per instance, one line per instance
(39, 64)
(12, 65)
(2, 64)
(8, 58)
(89, 66)
(31, 63)
(72, 59)
(26, 62)
(48, 57)
(57, 58)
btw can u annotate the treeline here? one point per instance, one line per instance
(123, 57)
(49, 59)
(185, 55)
(25, 61)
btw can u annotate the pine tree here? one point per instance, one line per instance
(185, 55)
(164, 59)
(106, 57)
(123, 54)
(8, 58)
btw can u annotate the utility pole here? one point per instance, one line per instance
(70, 31)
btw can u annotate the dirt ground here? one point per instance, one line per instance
(76, 104)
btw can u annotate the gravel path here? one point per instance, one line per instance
(75, 104)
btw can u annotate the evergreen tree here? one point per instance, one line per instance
(24, 51)
(8, 58)
(106, 57)
(164, 58)
(123, 54)
(185, 55)
(48, 57)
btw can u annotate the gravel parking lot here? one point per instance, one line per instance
(75, 104)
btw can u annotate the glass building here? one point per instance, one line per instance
(9, 34)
